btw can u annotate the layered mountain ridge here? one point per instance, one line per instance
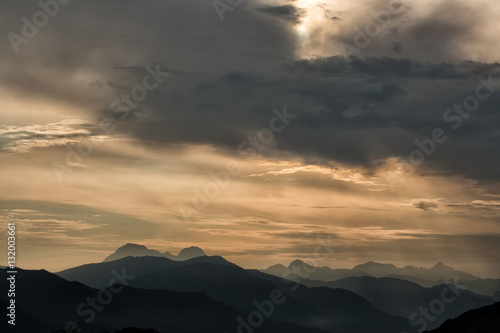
(150, 291)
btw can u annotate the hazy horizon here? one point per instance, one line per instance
(321, 260)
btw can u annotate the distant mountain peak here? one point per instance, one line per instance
(190, 252)
(298, 262)
(440, 265)
(138, 250)
(439, 271)
(276, 270)
(190, 249)
(133, 246)
(375, 264)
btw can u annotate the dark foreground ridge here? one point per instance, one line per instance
(482, 320)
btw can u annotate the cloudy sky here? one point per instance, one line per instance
(252, 129)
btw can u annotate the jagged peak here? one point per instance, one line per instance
(297, 262)
(440, 264)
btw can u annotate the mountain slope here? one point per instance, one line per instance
(298, 268)
(229, 284)
(349, 312)
(424, 276)
(439, 271)
(486, 287)
(98, 275)
(24, 321)
(162, 310)
(332, 310)
(235, 286)
(482, 320)
(403, 298)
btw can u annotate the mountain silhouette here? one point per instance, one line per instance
(237, 287)
(277, 270)
(438, 272)
(402, 298)
(348, 311)
(486, 287)
(136, 250)
(55, 301)
(225, 292)
(24, 321)
(482, 320)
(97, 275)
(377, 269)
(298, 268)
(424, 276)
(190, 253)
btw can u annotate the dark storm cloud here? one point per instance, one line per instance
(286, 12)
(352, 116)
(393, 68)
(227, 77)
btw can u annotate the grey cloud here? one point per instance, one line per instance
(24, 138)
(286, 12)
(96, 222)
(391, 67)
(305, 235)
(447, 30)
(425, 205)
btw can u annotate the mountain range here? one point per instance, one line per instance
(402, 298)
(421, 275)
(54, 302)
(136, 289)
(235, 286)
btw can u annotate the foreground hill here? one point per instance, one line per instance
(483, 320)
(24, 321)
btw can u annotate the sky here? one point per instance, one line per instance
(253, 129)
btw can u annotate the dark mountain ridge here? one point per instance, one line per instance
(56, 303)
